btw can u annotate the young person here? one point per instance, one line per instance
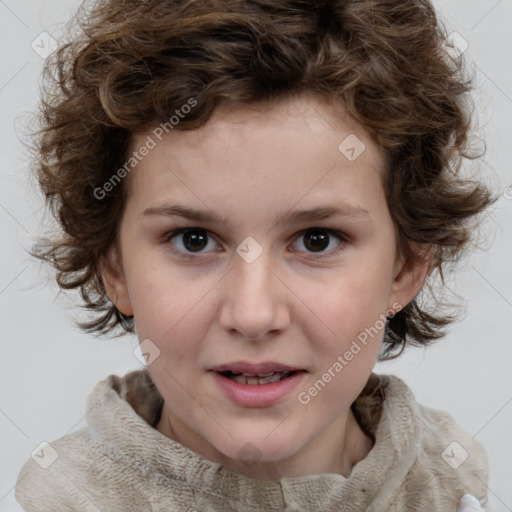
(261, 191)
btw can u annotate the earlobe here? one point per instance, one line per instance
(115, 282)
(411, 276)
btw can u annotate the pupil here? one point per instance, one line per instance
(195, 240)
(316, 240)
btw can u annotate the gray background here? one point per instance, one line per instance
(48, 367)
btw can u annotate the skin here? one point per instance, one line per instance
(297, 303)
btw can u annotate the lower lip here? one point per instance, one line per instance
(262, 395)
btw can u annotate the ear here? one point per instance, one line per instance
(111, 271)
(410, 276)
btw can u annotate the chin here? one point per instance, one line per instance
(258, 449)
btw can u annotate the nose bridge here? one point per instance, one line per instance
(254, 301)
(254, 279)
(252, 269)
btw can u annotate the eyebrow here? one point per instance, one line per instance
(296, 216)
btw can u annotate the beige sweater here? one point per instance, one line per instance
(121, 463)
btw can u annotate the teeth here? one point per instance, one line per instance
(256, 380)
(258, 374)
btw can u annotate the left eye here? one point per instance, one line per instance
(318, 240)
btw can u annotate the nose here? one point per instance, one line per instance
(255, 300)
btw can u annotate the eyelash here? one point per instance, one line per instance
(191, 255)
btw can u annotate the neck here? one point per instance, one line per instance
(318, 456)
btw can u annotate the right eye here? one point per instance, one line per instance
(189, 240)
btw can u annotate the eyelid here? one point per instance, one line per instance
(180, 231)
(343, 237)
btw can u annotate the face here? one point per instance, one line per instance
(250, 285)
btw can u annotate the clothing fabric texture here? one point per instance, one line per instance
(421, 461)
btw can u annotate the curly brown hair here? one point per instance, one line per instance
(134, 62)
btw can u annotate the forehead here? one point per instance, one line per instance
(297, 113)
(300, 149)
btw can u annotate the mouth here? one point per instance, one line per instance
(257, 379)
(257, 384)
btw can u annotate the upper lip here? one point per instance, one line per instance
(254, 368)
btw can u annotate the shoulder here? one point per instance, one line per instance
(77, 473)
(51, 478)
(94, 467)
(449, 460)
(433, 460)
(463, 456)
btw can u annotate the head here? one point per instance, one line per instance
(251, 111)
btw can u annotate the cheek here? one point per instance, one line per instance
(354, 297)
(160, 291)
(352, 310)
